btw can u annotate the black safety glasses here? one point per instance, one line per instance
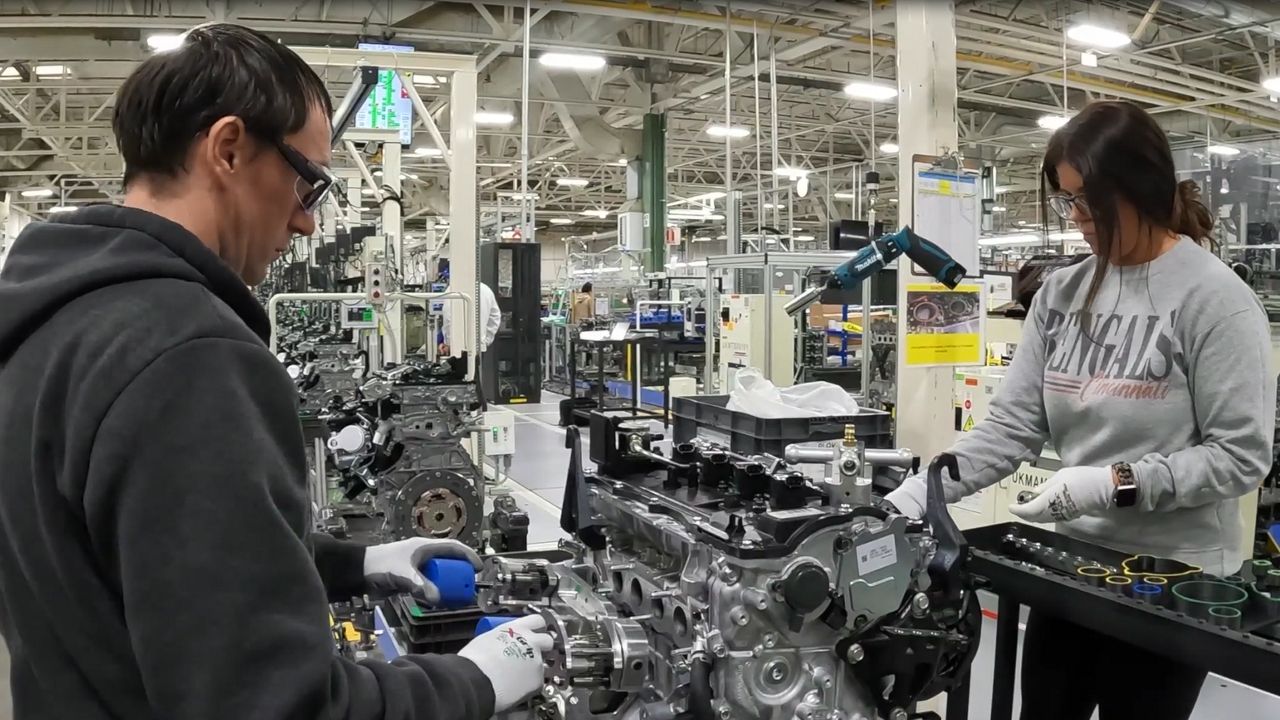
(1063, 203)
(314, 181)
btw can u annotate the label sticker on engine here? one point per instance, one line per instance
(796, 513)
(877, 554)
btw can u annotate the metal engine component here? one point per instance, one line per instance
(400, 441)
(441, 504)
(709, 586)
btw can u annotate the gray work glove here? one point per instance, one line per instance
(397, 567)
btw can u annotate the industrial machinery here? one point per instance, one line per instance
(707, 584)
(872, 258)
(512, 365)
(398, 442)
(743, 341)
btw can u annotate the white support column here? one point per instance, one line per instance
(391, 228)
(926, 51)
(354, 199)
(464, 249)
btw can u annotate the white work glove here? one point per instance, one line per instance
(397, 567)
(909, 497)
(1069, 494)
(510, 655)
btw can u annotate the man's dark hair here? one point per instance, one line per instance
(219, 70)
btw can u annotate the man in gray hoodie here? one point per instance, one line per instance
(155, 559)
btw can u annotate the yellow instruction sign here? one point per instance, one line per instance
(945, 326)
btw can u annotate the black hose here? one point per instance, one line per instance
(700, 690)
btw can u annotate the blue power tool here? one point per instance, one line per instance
(870, 259)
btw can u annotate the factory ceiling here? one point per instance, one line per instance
(777, 68)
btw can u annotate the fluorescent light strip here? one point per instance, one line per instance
(734, 131)
(866, 90)
(571, 61)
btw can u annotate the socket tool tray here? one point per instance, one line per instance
(1228, 625)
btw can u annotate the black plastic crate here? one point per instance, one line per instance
(751, 434)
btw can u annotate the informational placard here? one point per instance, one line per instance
(389, 106)
(945, 326)
(947, 209)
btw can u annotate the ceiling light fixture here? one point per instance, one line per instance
(845, 195)
(704, 197)
(366, 191)
(803, 238)
(1010, 240)
(793, 173)
(424, 79)
(623, 161)
(889, 148)
(164, 42)
(61, 209)
(571, 61)
(10, 73)
(600, 214)
(999, 208)
(37, 193)
(1052, 122)
(50, 70)
(562, 221)
(517, 195)
(428, 152)
(1272, 85)
(494, 117)
(729, 131)
(866, 90)
(1225, 150)
(1097, 37)
(1067, 235)
(576, 182)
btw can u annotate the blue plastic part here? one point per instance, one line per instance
(455, 579)
(1146, 590)
(1273, 539)
(490, 622)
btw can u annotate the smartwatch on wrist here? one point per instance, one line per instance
(1126, 491)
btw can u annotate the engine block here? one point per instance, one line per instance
(711, 585)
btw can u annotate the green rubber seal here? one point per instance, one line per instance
(1186, 591)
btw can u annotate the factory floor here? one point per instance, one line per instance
(537, 481)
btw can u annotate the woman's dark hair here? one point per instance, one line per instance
(1121, 152)
(219, 70)
(586, 287)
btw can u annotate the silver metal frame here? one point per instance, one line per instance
(768, 262)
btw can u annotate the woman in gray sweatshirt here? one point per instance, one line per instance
(1147, 367)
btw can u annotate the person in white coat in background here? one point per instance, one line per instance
(490, 321)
